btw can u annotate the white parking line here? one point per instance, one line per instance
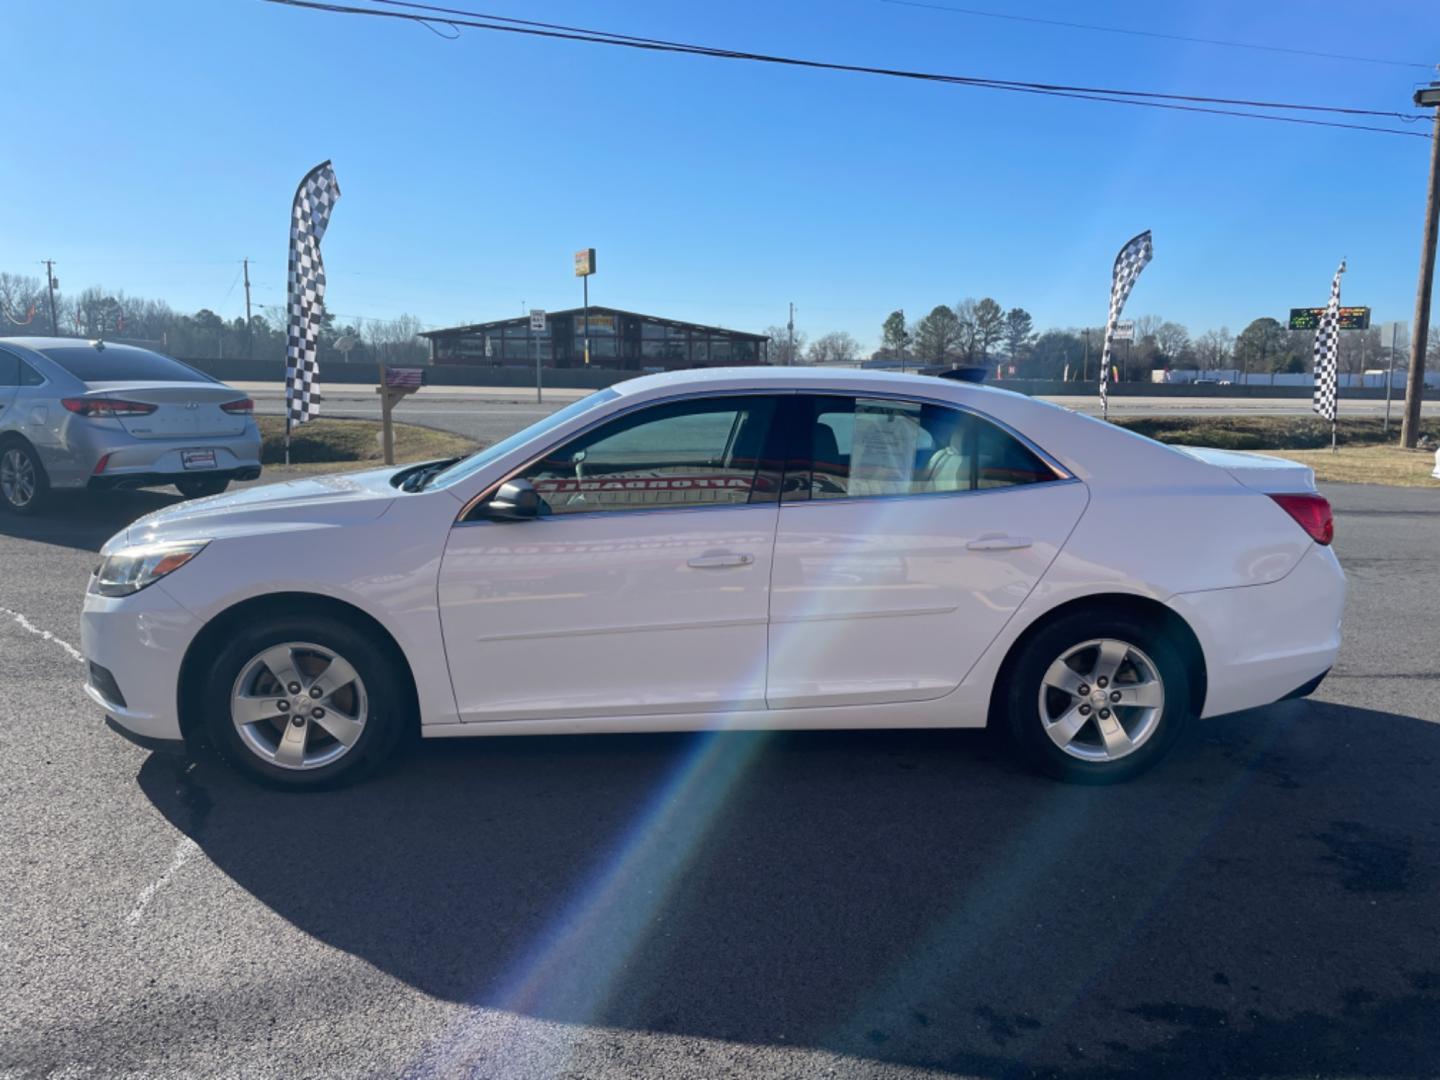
(184, 848)
(26, 624)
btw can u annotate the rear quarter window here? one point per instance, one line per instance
(122, 363)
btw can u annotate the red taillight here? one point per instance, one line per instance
(1311, 513)
(244, 405)
(104, 406)
(100, 465)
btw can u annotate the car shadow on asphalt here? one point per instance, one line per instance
(85, 520)
(1262, 902)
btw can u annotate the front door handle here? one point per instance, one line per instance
(715, 559)
(999, 543)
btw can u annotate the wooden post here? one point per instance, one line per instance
(387, 425)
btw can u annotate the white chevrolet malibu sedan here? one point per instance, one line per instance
(733, 549)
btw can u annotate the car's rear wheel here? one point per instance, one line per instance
(23, 483)
(1098, 698)
(304, 702)
(197, 487)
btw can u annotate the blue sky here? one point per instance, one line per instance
(164, 139)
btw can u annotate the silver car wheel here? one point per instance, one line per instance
(17, 477)
(299, 705)
(1101, 700)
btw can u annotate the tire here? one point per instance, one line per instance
(24, 484)
(197, 487)
(265, 746)
(1089, 737)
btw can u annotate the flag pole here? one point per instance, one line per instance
(287, 433)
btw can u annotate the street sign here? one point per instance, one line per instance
(1124, 331)
(537, 320)
(1308, 318)
(585, 262)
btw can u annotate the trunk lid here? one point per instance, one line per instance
(183, 410)
(1273, 476)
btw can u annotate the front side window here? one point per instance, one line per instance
(699, 453)
(863, 447)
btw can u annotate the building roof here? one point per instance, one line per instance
(595, 309)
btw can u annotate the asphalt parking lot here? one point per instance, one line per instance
(1266, 902)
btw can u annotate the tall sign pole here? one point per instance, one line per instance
(584, 267)
(1420, 328)
(537, 326)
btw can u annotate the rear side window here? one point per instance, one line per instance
(29, 376)
(9, 369)
(122, 363)
(863, 447)
(698, 453)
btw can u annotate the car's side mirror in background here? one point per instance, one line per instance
(516, 500)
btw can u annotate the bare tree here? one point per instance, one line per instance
(780, 345)
(837, 347)
(1213, 347)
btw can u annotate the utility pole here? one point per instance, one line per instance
(1420, 328)
(790, 350)
(249, 334)
(50, 284)
(900, 347)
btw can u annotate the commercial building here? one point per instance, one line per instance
(618, 339)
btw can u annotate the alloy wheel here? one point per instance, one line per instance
(17, 478)
(299, 705)
(1101, 700)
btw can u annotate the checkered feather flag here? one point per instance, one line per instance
(1327, 351)
(1128, 264)
(305, 297)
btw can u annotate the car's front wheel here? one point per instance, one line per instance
(197, 487)
(304, 702)
(23, 483)
(1098, 698)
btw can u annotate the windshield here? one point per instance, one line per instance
(470, 465)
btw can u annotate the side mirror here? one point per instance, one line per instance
(516, 500)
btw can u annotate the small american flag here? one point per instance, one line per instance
(403, 378)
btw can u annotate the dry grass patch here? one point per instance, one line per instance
(356, 442)
(1367, 465)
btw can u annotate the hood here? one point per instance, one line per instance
(1258, 472)
(308, 503)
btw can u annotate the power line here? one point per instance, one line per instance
(979, 13)
(608, 36)
(1112, 96)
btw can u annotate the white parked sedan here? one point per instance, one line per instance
(730, 548)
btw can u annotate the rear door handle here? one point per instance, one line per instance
(716, 559)
(999, 543)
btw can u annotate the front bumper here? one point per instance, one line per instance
(1261, 642)
(141, 640)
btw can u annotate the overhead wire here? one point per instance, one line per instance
(1012, 17)
(457, 17)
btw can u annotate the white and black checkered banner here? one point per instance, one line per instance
(1327, 351)
(305, 296)
(1128, 264)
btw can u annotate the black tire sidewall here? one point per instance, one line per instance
(388, 710)
(1022, 707)
(42, 479)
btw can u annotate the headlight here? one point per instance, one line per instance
(129, 569)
